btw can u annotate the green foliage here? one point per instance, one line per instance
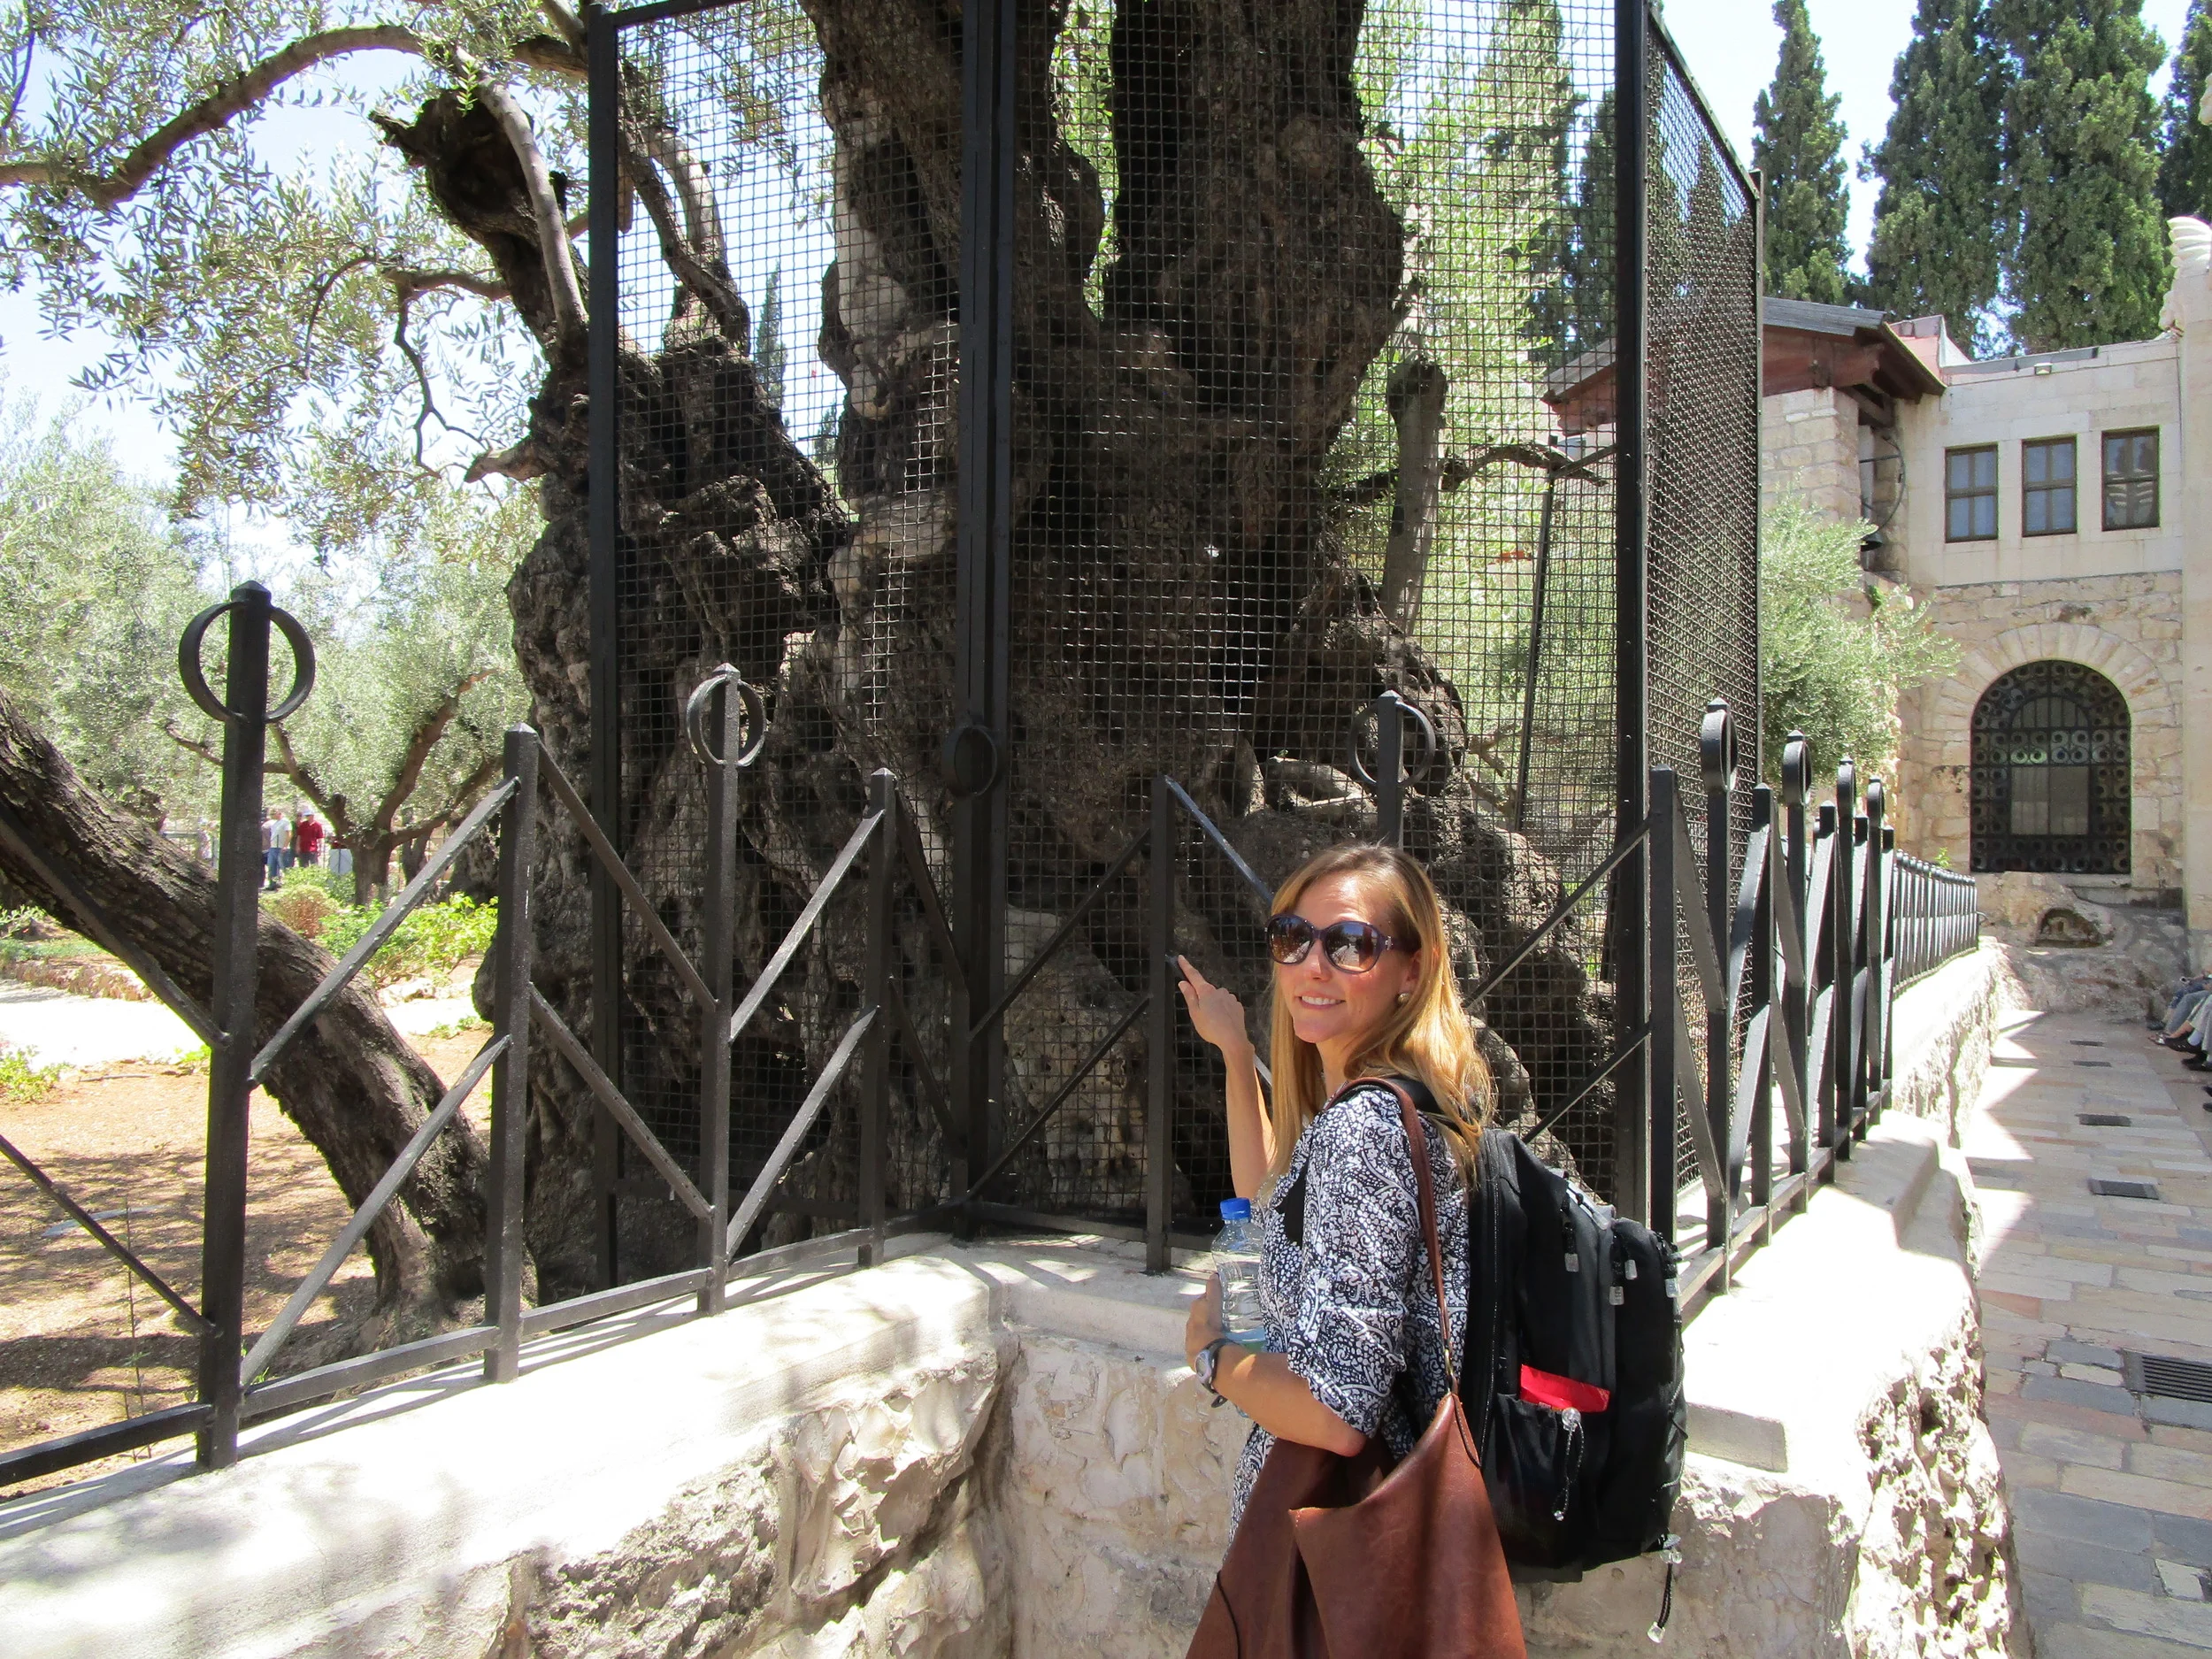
(1578, 313)
(22, 1082)
(1940, 221)
(94, 590)
(1799, 146)
(431, 943)
(1836, 651)
(424, 652)
(2090, 263)
(2184, 160)
(769, 352)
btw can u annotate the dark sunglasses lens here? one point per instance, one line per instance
(1353, 946)
(1289, 939)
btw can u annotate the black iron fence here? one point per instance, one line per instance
(1935, 915)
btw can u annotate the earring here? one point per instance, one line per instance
(1404, 995)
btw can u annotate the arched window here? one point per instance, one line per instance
(2050, 783)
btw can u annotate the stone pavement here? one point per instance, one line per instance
(2111, 1490)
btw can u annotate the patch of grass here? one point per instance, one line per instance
(431, 943)
(453, 1028)
(22, 1081)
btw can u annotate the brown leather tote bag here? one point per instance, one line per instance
(1346, 1558)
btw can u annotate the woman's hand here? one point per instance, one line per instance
(1204, 1323)
(1217, 1014)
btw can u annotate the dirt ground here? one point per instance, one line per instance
(82, 1341)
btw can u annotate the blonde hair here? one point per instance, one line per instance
(1428, 1036)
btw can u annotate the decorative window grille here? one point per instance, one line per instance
(2050, 783)
(1969, 493)
(2046, 487)
(2130, 479)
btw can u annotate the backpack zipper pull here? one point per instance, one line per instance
(1567, 1238)
(1624, 1270)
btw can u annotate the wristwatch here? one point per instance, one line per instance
(1209, 1360)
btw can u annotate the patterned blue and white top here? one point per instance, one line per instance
(1344, 1276)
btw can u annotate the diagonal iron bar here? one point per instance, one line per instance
(1621, 1056)
(933, 907)
(1816, 903)
(102, 930)
(624, 1113)
(1789, 930)
(611, 861)
(365, 1217)
(1082, 1071)
(1221, 844)
(801, 1121)
(381, 929)
(1559, 913)
(933, 1091)
(839, 867)
(115, 1247)
(1035, 965)
(1704, 950)
(1754, 1053)
(1741, 925)
(1692, 1088)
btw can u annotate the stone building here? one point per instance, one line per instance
(2052, 510)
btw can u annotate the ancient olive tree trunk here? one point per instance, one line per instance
(1182, 600)
(350, 1082)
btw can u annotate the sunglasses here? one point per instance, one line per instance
(1354, 947)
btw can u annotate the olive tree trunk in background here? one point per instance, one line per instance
(355, 1088)
(1172, 415)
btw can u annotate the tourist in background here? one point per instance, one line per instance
(276, 835)
(308, 837)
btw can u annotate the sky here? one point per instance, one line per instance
(1731, 45)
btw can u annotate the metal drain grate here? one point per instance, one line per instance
(2169, 1377)
(2105, 1186)
(2087, 1042)
(2103, 1120)
(2102, 1063)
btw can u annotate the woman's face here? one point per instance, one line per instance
(1330, 1007)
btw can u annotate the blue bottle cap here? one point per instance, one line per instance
(1236, 1210)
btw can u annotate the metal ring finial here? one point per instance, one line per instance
(1717, 748)
(1797, 769)
(970, 759)
(194, 677)
(1847, 788)
(1877, 801)
(755, 722)
(1408, 768)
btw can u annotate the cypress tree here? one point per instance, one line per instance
(2184, 159)
(2089, 262)
(1939, 222)
(1799, 146)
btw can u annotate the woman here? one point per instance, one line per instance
(1363, 988)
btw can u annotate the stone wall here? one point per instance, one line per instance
(2126, 627)
(1810, 450)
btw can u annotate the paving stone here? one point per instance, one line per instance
(2187, 1622)
(2082, 1562)
(2181, 1581)
(2096, 1396)
(2169, 1497)
(2069, 1445)
(2085, 1520)
(2187, 1414)
(2066, 1350)
(2068, 1640)
(2183, 1539)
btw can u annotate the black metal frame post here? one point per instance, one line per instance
(1873, 926)
(875, 1076)
(1844, 940)
(717, 943)
(1666, 996)
(1821, 954)
(1717, 753)
(512, 951)
(1797, 977)
(1759, 976)
(1159, 1116)
(603, 529)
(237, 966)
(1634, 895)
(977, 750)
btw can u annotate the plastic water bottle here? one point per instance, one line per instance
(1237, 1259)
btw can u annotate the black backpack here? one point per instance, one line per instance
(1573, 1376)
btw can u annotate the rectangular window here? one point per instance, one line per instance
(1969, 493)
(2130, 479)
(2050, 799)
(2046, 487)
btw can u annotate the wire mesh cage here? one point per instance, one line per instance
(1140, 392)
